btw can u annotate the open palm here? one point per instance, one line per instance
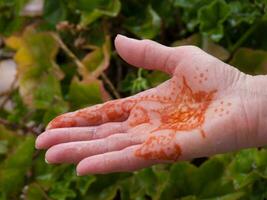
(200, 111)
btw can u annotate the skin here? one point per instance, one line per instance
(206, 107)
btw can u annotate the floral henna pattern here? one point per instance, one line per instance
(139, 116)
(186, 112)
(116, 110)
(161, 147)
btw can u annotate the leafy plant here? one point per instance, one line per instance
(66, 60)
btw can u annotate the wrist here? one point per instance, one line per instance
(257, 107)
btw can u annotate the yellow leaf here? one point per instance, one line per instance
(23, 57)
(97, 61)
(13, 42)
(38, 73)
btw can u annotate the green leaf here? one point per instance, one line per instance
(8, 139)
(156, 77)
(10, 19)
(83, 94)
(208, 178)
(98, 8)
(189, 11)
(19, 109)
(212, 17)
(258, 190)
(145, 28)
(182, 181)
(96, 61)
(247, 167)
(34, 191)
(106, 186)
(206, 44)
(3, 146)
(83, 183)
(13, 169)
(190, 197)
(55, 11)
(231, 196)
(250, 61)
(135, 83)
(185, 3)
(243, 12)
(38, 73)
(62, 193)
(143, 184)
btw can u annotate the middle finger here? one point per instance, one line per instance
(63, 135)
(73, 152)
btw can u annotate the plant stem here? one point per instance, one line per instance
(19, 127)
(81, 65)
(112, 87)
(4, 93)
(68, 51)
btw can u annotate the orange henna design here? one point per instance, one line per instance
(111, 111)
(139, 116)
(61, 121)
(161, 147)
(91, 117)
(223, 108)
(127, 105)
(187, 112)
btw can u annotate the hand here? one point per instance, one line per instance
(207, 107)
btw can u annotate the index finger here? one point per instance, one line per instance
(112, 111)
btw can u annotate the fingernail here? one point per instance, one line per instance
(123, 36)
(48, 127)
(47, 161)
(120, 35)
(36, 145)
(77, 173)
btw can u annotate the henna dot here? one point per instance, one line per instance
(229, 104)
(195, 77)
(200, 81)
(216, 110)
(227, 112)
(221, 102)
(201, 75)
(197, 68)
(220, 115)
(205, 78)
(207, 70)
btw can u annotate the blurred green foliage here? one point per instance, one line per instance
(66, 61)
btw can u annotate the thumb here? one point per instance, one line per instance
(147, 54)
